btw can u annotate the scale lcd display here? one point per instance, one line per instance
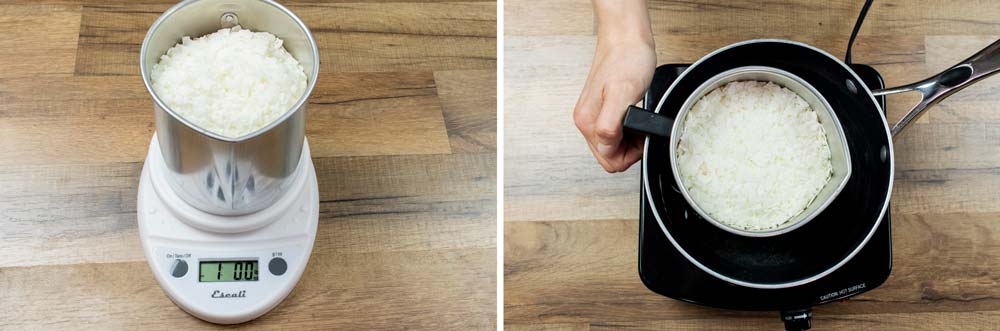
(227, 271)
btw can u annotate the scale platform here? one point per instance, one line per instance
(218, 268)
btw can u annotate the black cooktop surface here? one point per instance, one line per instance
(665, 271)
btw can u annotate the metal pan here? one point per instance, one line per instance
(840, 155)
(816, 243)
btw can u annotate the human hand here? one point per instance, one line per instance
(621, 71)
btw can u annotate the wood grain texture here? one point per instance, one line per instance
(754, 19)
(400, 126)
(380, 290)
(87, 119)
(40, 40)
(355, 37)
(973, 320)
(547, 327)
(376, 114)
(548, 169)
(571, 230)
(467, 112)
(86, 213)
(585, 272)
(171, 2)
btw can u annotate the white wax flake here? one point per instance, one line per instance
(753, 155)
(231, 82)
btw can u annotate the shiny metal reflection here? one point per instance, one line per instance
(214, 173)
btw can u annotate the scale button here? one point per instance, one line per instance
(179, 269)
(277, 266)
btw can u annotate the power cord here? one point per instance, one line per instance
(857, 27)
(801, 319)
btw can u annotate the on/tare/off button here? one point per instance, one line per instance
(277, 266)
(179, 269)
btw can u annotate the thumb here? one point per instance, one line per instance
(608, 131)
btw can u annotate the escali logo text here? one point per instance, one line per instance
(219, 294)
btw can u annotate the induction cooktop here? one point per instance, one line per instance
(665, 271)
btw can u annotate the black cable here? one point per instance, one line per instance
(857, 27)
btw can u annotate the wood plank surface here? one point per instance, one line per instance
(40, 39)
(571, 230)
(467, 112)
(352, 37)
(402, 129)
(350, 113)
(973, 320)
(585, 272)
(757, 19)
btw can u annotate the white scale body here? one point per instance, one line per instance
(177, 237)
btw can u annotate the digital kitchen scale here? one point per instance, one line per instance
(226, 269)
(665, 271)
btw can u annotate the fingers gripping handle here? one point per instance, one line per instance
(946, 83)
(650, 123)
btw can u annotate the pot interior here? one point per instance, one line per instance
(195, 18)
(836, 140)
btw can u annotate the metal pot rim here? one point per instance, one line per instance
(802, 217)
(310, 84)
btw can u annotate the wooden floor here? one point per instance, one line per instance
(571, 230)
(402, 126)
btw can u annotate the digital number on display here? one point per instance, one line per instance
(227, 271)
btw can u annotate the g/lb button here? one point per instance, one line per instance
(277, 266)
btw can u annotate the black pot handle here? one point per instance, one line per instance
(647, 122)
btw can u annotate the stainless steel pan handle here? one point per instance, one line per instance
(946, 83)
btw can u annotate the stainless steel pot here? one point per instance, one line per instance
(214, 173)
(840, 155)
